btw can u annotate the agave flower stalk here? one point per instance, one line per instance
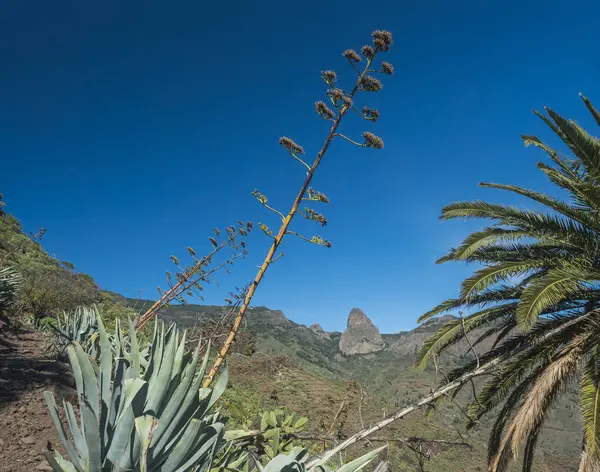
(191, 278)
(342, 102)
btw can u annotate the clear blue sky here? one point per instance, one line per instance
(130, 129)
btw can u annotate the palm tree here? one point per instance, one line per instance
(537, 296)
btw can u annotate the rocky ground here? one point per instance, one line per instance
(26, 429)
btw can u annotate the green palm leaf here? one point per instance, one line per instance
(547, 291)
(539, 271)
(590, 405)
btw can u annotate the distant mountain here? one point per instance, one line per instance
(311, 371)
(361, 336)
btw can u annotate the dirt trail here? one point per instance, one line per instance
(26, 428)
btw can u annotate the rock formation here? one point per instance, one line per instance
(361, 336)
(319, 331)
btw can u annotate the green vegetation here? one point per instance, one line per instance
(49, 286)
(10, 282)
(530, 333)
(145, 409)
(538, 295)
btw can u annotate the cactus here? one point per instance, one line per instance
(138, 418)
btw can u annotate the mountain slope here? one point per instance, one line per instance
(304, 370)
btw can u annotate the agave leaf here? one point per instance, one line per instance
(76, 433)
(174, 458)
(62, 434)
(125, 422)
(58, 464)
(179, 355)
(89, 386)
(105, 379)
(188, 408)
(91, 432)
(205, 447)
(145, 426)
(358, 464)
(159, 383)
(282, 462)
(235, 434)
(168, 416)
(219, 387)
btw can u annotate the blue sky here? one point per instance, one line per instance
(130, 129)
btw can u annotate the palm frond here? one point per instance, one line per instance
(590, 405)
(498, 294)
(539, 399)
(591, 108)
(455, 330)
(577, 214)
(481, 239)
(549, 290)
(587, 195)
(585, 147)
(569, 168)
(488, 276)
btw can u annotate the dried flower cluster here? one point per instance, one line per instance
(372, 141)
(370, 114)
(351, 55)
(367, 51)
(315, 195)
(337, 96)
(260, 197)
(311, 214)
(291, 146)
(324, 111)
(329, 76)
(265, 229)
(382, 40)
(321, 241)
(387, 68)
(370, 84)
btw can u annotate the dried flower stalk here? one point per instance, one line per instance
(342, 102)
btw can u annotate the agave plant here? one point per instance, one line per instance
(158, 417)
(537, 295)
(10, 281)
(136, 419)
(296, 461)
(80, 326)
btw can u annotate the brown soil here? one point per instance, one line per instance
(26, 429)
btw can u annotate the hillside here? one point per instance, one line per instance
(303, 369)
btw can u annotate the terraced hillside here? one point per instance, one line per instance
(302, 369)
